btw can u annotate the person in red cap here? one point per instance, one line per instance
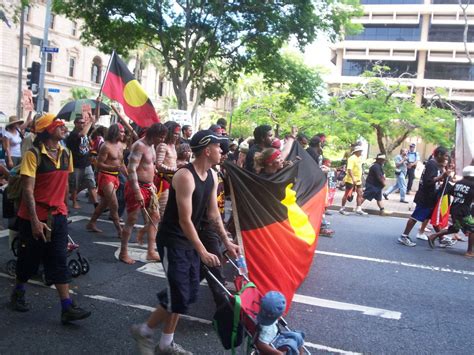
(42, 217)
(110, 164)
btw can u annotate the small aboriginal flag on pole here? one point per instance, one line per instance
(120, 85)
(279, 219)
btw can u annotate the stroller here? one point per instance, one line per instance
(76, 266)
(236, 321)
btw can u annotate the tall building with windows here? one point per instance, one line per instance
(422, 39)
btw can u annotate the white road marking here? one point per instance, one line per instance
(399, 263)
(4, 233)
(370, 311)
(187, 317)
(156, 269)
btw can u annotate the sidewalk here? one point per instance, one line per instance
(393, 205)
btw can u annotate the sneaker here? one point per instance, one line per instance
(173, 349)
(73, 313)
(447, 242)
(343, 212)
(385, 213)
(421, 236)
(144, 342)
(406, 241)
(403, 201)
(385, 196)
(361, 212)
(18, 302)
(326, 232)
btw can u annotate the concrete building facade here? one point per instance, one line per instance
(75, 65)
(422, 38)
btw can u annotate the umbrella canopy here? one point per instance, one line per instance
(69, 111)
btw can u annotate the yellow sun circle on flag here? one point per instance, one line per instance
(134, 94)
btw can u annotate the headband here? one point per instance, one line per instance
(272, 157)
(177, 129)
(55, 124)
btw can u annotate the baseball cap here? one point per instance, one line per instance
(272, 306)
(413, 145)
(202, 139)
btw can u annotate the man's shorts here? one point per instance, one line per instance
(52, 255)
(466, 224)
(148, 191)
(182, 272)
(350, 186)
(82, 178)
(422, 213)
(372, 192)
(103, 179)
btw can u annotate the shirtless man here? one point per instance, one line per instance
(166, 163)
(109, 164)
(140, 192)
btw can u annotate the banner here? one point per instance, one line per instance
(464, 143)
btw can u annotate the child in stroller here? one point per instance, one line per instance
(270, 340)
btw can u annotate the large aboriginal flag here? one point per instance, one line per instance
(121, 86)
(279, 219)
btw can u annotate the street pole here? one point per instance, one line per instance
(47, 20)
(20, 62)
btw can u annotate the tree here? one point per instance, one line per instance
(386, 111)
(208, 43)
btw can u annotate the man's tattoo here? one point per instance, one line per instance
(218, 227)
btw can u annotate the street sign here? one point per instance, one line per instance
(51, 49)
(53, 90)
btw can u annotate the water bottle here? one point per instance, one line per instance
(242, 265)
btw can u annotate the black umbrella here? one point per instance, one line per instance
(71, 109)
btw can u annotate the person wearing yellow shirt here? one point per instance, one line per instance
(353, 181)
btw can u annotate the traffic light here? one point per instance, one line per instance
(32, 78)
(45, 104)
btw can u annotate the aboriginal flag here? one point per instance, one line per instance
(120, 85)
(279, 218)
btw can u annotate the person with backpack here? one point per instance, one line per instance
(42, 217)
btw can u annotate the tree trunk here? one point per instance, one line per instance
(380, 137)
(181, 96)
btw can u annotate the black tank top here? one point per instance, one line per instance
(170, 233)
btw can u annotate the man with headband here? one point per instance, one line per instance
(110, 164)
(140, 192)
(42, 217)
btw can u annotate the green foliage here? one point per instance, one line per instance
(208, 44)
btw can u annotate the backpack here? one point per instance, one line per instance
(14, 189)
(226, 322)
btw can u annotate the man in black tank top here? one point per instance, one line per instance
(193, 192)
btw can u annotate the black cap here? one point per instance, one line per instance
(202, 139)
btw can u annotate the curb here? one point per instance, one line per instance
(376, 212)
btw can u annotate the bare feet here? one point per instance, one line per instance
(153, 257)
(91, 227)
(140, 235)
(469, 255)
(123, 257)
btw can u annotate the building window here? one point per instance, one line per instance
(25, 57)
(72, 65)
(387, 33)
(51, 22)
(96, 70)
(74, 28)
(397, 68)
(49, 62)
(449, 33)
(449, 71)
(161, 85)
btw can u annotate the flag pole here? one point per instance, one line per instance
(235, 214)
(106, 72)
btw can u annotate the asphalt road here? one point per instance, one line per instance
(364, 294)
